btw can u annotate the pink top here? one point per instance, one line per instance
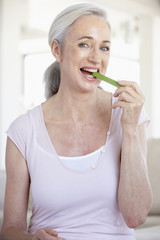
(79, 205)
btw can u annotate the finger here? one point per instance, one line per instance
(46, 234)
(51, 232)
(128, 90)
(133, 85)
(53, 235)
(125, 97)
(123, 104)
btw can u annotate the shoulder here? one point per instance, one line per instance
(20, 130)
(21, 126)
(144, 118)
(23, 120)
(18, 124)
(105, 98)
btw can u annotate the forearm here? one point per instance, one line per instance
(134, 193)
(13, 233)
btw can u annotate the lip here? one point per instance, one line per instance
(90, 78)
(88, 67)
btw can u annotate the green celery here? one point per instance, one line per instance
(106, 79)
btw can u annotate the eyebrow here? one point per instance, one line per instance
(88, 37)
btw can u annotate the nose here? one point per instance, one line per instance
(94, 55)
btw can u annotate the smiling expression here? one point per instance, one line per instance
(86, 49)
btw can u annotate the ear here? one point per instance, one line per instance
(56, 50)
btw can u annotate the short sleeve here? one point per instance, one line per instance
(17, 132)
(143, 118)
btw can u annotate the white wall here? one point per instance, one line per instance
(150, 70)
(156, 78)
(14, 15)
(0, 64)
(146, 62)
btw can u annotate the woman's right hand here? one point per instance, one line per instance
(46, 234)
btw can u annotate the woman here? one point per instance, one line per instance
(83, 150)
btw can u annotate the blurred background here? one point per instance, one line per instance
(25, 54)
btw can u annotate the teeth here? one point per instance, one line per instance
(90, 70)
(90, 76)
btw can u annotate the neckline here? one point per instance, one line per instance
(54, 150)
(82, 156)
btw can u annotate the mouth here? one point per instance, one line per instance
(88, 72)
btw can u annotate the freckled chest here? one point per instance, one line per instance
(78, 139)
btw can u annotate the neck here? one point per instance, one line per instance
(78, 107)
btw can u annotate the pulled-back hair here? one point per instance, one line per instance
(58, 32)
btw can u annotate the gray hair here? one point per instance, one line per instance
(58, 31)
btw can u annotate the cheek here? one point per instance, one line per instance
(72, 55)
(105, 61)
(75, 57)
(79, 54)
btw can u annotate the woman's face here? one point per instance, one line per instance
(86, 49)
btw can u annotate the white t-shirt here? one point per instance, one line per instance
(80, 204)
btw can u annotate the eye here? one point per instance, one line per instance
(83, 45)
(105, 49)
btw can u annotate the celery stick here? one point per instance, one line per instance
(106, 79)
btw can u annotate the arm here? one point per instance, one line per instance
(134, 192)
(16, 200)
(16, 195)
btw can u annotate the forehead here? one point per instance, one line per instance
(91, 25)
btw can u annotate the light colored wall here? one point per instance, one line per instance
(146, 63)
(150, 70)
(0, 63)
(14, 14)
(156, 78)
